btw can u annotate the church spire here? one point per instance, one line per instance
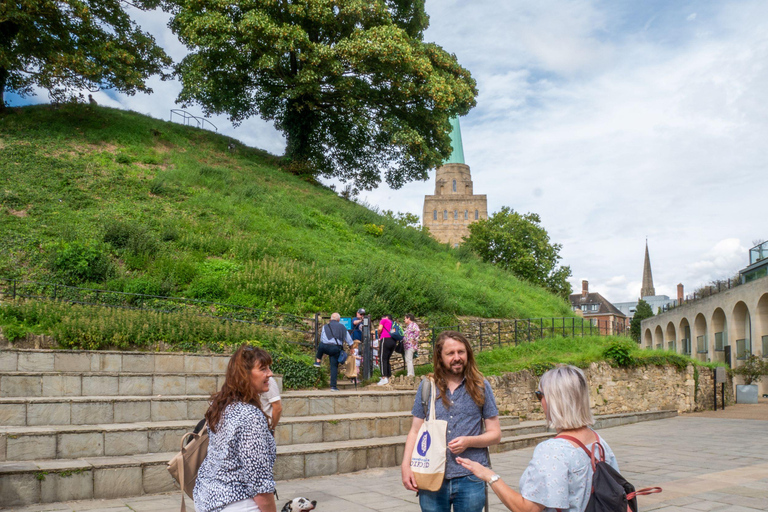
(457, 155)
(647, 289)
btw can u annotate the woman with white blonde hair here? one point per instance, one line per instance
(559, 476)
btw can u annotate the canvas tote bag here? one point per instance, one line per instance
(428, 458)
(184, 465)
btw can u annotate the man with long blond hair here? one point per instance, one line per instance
(465, 401)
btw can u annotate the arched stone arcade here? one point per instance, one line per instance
(671, 337)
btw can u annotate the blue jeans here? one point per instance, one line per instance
(333, 352)
(465, 493)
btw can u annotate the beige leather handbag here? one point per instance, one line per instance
(184, 466)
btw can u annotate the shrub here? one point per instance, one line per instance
(78, 262)
(620, 353)
(130, 236)
(373, 229)
(297, 372)
(752, 370)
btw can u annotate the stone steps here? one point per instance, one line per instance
(29, 360)
(54, 384)
(90, 410)
(116, 439)
(45, 481)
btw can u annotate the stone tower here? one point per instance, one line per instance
(454, 206)
(647, 289)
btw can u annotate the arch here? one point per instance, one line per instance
(648, 339)
(741, 331)
(658, 337)
(454, 185)
(761, 327)
(700, 337)
(684, 334)
(671, 337)
(719, 326)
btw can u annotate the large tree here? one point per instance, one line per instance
(350, 83)
(642, 311)
(67, 45)
(520, 244)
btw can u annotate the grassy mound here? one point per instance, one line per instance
(117, 200)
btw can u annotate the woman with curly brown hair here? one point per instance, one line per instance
(236, 475)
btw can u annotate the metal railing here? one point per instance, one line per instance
(187, 119)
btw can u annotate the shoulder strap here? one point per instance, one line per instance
(590, 453)
(426, 391)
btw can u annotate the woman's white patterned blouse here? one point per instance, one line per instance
(241, 456)
(560, 475)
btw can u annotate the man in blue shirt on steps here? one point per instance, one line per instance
(332, 338)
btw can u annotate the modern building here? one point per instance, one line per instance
(454, 205)
(647, 293)
(733, 321)
(599, 310)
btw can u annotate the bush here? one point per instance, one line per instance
(620, 353)
(78, 262)
(297, 373)
(131, 237)
(752, 370)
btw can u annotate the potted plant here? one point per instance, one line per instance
(752, 370)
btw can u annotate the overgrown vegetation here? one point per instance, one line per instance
(116, 200)
(544, 354)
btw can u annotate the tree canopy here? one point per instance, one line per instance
(519, 243)
(350, 83)
(66, 45)
(642, 311)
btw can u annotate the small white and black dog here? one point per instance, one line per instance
(299, 505)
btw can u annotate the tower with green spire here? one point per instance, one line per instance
(454, 205)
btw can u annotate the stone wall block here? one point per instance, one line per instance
(106, 362)
(359, 429)
(117, 482)
(20, 385)
(92, 413)
(336, 431)
(348, 405)
(9, 361)
(166, 385)
(288, 467)
(197, 364)
(321, 405)
(284, 434)
(308, 432)
(100, 385)
(31, 447)
(157, 479)
(196, 409)
(72, 362)
(295, 406)
(169, 363)
(132, 412)
(138, 363)
(321, 464)
(219, 364)
(125, 443)
(62, 385)
(48, 414)
(19, 490)
(200, 385)
(166, 440)
(76, 486)
(74, 446)
(169, 410)
(35, 362)
(13, 414)
(3, 445)
(135, 386)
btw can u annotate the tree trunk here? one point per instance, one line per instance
(299, 124)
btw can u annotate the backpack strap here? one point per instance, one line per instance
(596, 447)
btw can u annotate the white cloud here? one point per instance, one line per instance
(691, 16)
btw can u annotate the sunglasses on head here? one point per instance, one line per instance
(538, 394)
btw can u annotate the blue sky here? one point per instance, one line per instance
(613, 120)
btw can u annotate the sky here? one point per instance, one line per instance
(616, 121)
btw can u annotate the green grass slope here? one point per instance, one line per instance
(117, 200)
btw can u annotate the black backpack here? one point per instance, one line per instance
(610, 491)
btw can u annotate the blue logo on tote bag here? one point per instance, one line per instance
(424, 444)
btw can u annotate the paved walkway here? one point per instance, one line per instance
(709, 462)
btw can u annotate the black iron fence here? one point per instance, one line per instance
(704, 292)
(484, 335)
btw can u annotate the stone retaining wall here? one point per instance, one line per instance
(612, 390)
